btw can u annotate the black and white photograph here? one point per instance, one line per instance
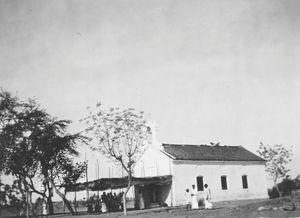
(149, 108)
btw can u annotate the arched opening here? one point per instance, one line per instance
(224, 182)
(245, 181)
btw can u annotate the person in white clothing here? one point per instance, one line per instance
(44, 208)
(194, 194)
(188, 199)
(141, 200)
(207, 197)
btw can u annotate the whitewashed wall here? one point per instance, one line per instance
(155, 163)
(185, 173)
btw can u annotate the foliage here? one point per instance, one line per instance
(273, 193)
(122, 135)
(15, 197)
(297, 182)
(277, 158)
(36, 147)
(73, 172)
(286, 186)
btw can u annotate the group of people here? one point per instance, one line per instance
(192, 198)
(109, 202)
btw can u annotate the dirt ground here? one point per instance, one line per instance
(234, 209)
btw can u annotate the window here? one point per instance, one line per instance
(200, 183)
(245, 182)
(224, 182)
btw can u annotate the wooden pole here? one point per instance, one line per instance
(87, 178)
(98, 176)
(75, 202)
(27, 204)
(109, 176)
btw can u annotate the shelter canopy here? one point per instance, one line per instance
(115, 183)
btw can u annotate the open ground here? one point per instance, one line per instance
(234, 209)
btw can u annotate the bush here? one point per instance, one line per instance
(273, 193)
(286, 186)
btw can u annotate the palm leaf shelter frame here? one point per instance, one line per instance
(117, 183)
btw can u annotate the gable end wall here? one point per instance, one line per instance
(186, 172)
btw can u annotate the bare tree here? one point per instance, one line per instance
(121, 135)
(277, 158)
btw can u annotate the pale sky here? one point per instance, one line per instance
(204, 71)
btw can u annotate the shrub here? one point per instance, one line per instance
(286, 186)
(273, 193)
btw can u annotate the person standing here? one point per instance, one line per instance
(97, 204)
(141, 200)
(104, 203)
(207, 197)
(44, 208)
(194, 194)
(38, 209)
(188, 199)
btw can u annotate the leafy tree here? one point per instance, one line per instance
(7, 103)
(36, 147)
(121, 135)
(56, 159)
(16, 196)
(277, 158)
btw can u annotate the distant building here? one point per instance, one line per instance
(232, 173)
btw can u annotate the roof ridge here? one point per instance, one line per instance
(210, 152)
(172, 144)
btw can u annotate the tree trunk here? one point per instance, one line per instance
(64, 202)
(124, 196)
(25, 196)
(124, 204)
(279, 192)
(67, 203)
(75, 202)
(50, 205)
(276, 186)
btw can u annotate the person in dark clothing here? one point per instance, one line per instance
(90, 205)
(97, 204)
(104, 202)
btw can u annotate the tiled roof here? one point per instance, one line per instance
(207, 152)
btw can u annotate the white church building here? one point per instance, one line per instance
(231, 172)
